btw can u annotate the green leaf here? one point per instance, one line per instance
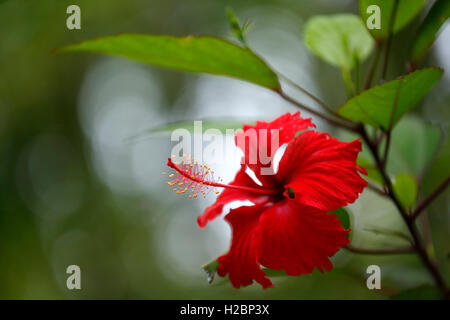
(219, 124)
(195, 54)
(343, 215)
(405, 188)
(372, 172)
(211, 269)
(376, 105)
(439, 170)
(338, 39)
(428, 30)
(413, 145)
(388, 232)
(425, 292)
(238, 29)
(407, 10)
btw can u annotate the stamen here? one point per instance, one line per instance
(200, 179)
(192, 177)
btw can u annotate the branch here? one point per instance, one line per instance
(346, 125)
(420, 208)
(376, 189)
(402, 250)
(309, 94)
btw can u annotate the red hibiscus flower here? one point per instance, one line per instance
(288, 227)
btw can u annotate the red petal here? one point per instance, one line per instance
(322, 170)
(298, 238)
(255, 149)
(287, 124)
(229, 195)
(241, 262)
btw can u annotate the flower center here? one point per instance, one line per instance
(290, 192)
(199, 179)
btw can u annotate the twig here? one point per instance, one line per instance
(346, 125)
(376, 189)
(357, 74)
(402, 250)
(309, 94)
(388, 232)
(347, 77)
(420, 208)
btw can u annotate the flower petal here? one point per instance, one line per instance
(229, 195)
(260, 142)
(322, 170)
(298, 238)
(241, 262)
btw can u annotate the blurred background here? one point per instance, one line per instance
(80, 178)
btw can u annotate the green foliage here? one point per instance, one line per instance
(413, 145)
(211, 269)
(372, 172)
(218, 124)
(405, 188)
(429, 29)
(195, 54)
(388, 232)
(338, 39)
(343, 215)
(407, 10)
(238, 29)
(425, 292)
(440, 169)
(385, 104)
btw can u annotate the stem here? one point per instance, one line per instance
(389, 40)
(309, 94)
(222, 185)
(420, 208)
(346, 76)
(373, 67)
(380, 250)
(408, 219)
(357, 74)
(346, 125)
(386, 148)
(376, 189)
